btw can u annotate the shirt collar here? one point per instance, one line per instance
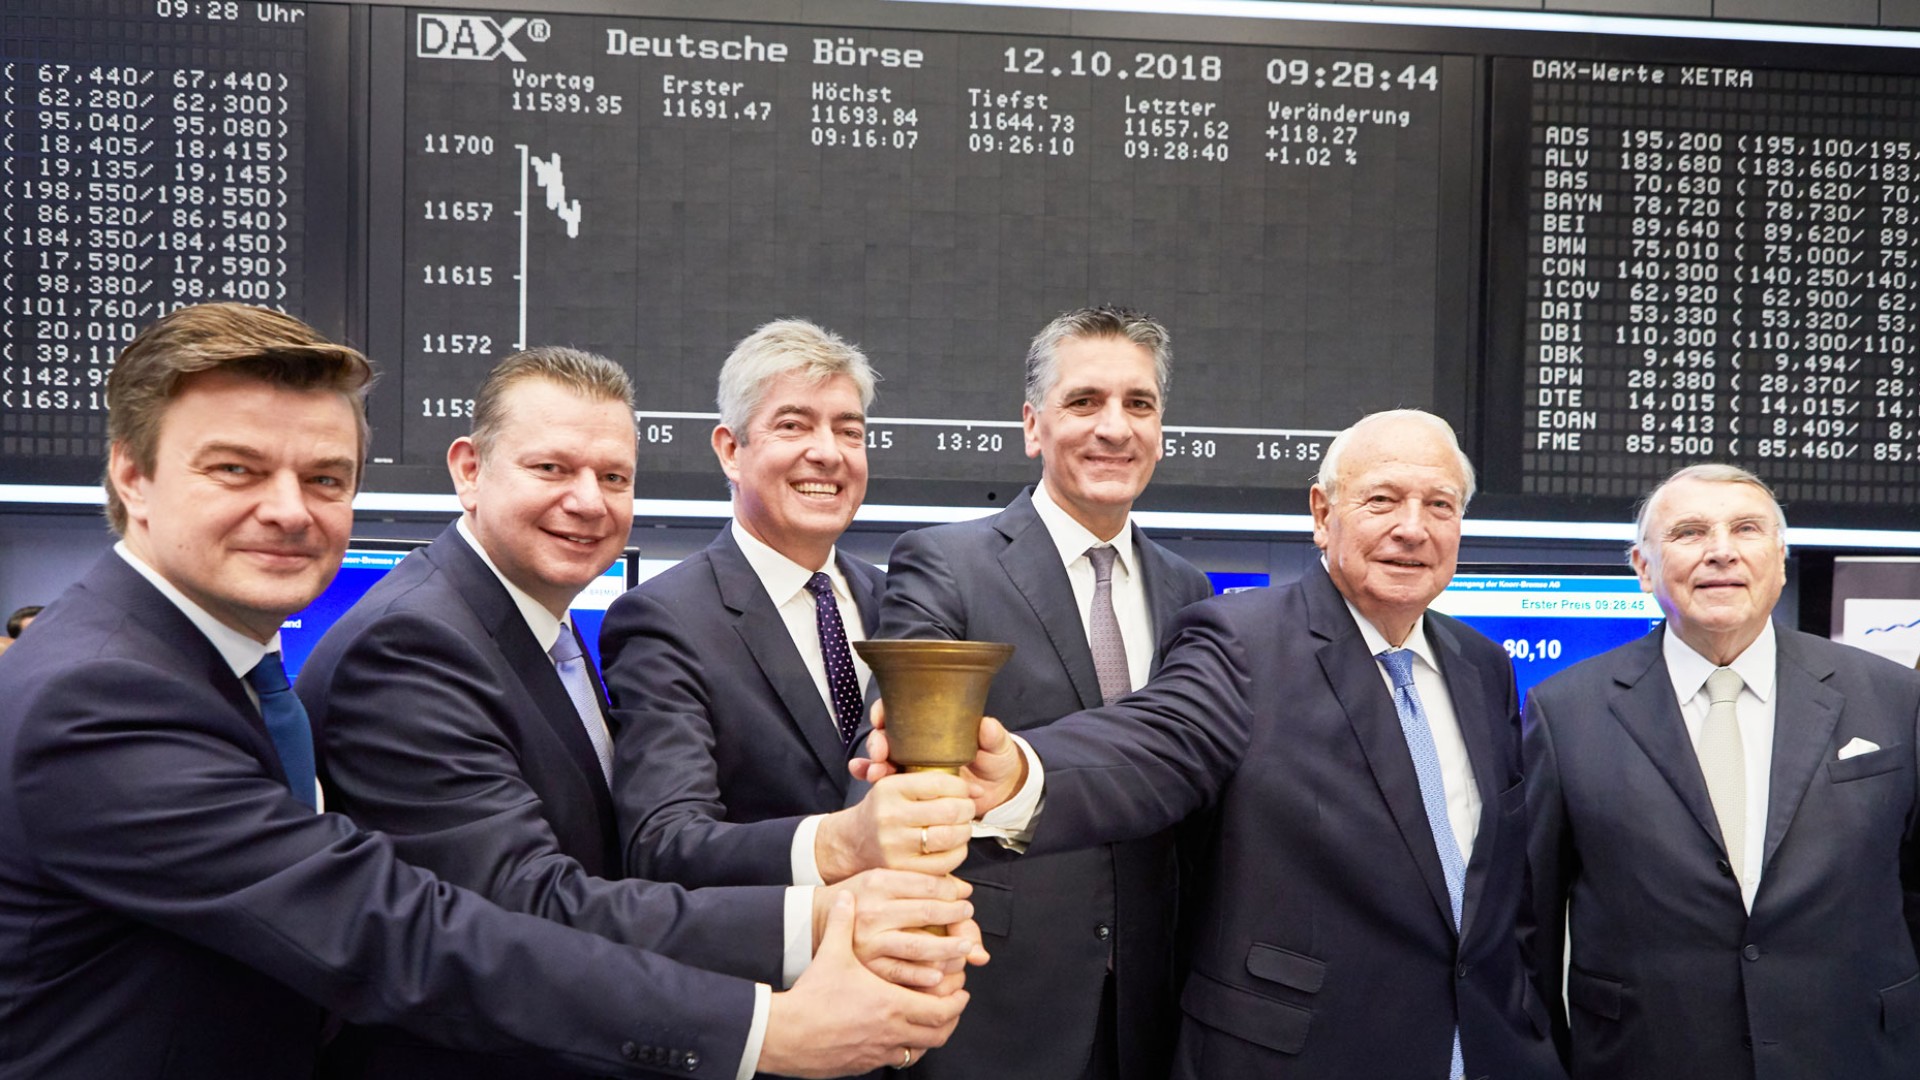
(1377, 642)
(1689, 670)
(780, 576)
(546, 628)
(241, 653)
(1073, 539)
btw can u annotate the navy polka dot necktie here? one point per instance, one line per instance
(842, 680)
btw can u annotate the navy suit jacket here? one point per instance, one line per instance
(723, 742)
(1322, 938)
(1670, 975)
(1051, 924)
(168, 910)
(442, 723)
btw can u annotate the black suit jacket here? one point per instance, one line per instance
(1670, 975)
(1051, 923)
(1323, 940)
(442, 723)
(168, 910)
(723, 742)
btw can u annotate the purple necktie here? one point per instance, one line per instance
(1103, 630)
(843, 682)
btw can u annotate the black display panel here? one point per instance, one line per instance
(1719, 264)
(653, 189)
(154, 154)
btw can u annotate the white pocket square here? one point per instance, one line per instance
(1855, 747)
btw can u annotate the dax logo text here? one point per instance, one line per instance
(467, 37)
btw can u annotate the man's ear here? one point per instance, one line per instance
(463, 464)
(128, 482)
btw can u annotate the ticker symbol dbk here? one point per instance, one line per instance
(467, 37)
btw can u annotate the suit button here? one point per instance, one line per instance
(630, 1051)
(690, 1061)
(1103, 931)
(1725, 868)
(1751, 952)
(1746, 1042)
(1463, 971)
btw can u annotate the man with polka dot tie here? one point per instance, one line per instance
(736, 697)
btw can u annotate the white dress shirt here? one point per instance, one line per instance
(240, 652)
(1753, 711)
(798, 910)
(1456, 769)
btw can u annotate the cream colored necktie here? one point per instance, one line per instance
(1724, 763)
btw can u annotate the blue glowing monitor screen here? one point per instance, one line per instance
(1550, 621)
(364, 565)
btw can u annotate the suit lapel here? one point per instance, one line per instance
(195, 658)
(1643, 703)
(526, 660)
(1473, 711)
(1033, 563)
(1358, 687)
(764, 633)
(865, 583)
(1156, 576)
(1805, 713)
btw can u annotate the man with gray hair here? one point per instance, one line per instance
(1082, 984)
(735, 692)
(1726, 819)
(1357, 907)
(458, 714)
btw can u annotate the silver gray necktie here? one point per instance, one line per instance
(1723, 762)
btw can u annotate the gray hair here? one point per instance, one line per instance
(591, 376)
(1328, 478)
(1043, 355)
(1711, 472)
(777, 348)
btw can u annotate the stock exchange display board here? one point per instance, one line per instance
(151, 155)
(1600, 256)
(1720, 266)
(653, 190)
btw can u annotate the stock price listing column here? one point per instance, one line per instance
(1721, 267)
(655, 189)
(150, 157)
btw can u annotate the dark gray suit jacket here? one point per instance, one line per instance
(1049, 923)
(442, 723)
(723, 742)
(168, 910)
(1671, 977)
(1322, 936)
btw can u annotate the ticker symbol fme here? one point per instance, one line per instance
(467, 37)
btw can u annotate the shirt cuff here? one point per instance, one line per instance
(806, 869)
(799, 934)
(756, 1032)
(1012, 821)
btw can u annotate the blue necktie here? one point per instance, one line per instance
(1433, 794)
(286, 725)
(843, 682)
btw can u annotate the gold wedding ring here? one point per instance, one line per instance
(906, 1052)
(923, 841)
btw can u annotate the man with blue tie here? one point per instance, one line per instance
(172, 905)
(1726, 819)
(459, 716)
(736, 694)
(1359, 908)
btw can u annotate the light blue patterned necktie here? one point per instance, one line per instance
(572, 666)
(1433, 795)
(1103, 630)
